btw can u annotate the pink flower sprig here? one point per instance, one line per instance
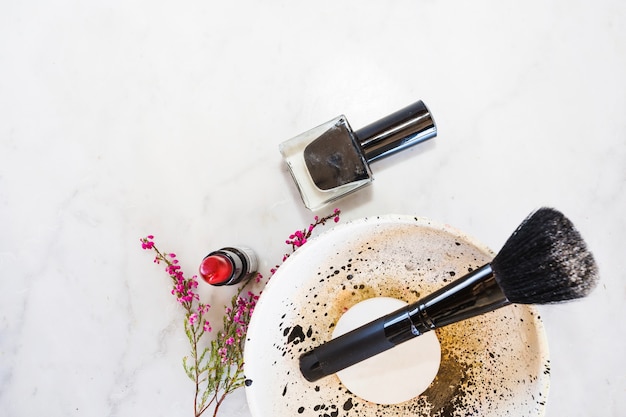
(195, 324)
(235, 328)
(183, 288)
(217, 369)
(300, 237)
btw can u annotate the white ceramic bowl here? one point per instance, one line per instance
(492, 365)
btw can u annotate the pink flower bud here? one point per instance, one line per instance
(207, 326)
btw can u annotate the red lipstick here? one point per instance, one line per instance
(228, 266)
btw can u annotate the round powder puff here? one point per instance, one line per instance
(396, 375)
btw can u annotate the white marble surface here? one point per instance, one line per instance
(123, 118)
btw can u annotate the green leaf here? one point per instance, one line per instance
(204, 353)
(188, 370)
(188, 333)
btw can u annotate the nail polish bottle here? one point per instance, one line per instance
(228, 266)
(332, 160)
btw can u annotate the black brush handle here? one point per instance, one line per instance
(359, 344)
(345, 350)
(471, 295)
(474, 294)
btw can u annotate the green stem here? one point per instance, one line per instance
(194, 352)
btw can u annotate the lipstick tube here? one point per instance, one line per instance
(228, 266)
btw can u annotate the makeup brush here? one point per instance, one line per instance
(544, 261)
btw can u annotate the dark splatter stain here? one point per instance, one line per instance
(348, 404)
(296, 336)
(444, 392)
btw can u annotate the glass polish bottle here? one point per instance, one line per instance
(228, 266)
(331, 160)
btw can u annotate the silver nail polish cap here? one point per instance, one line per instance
(406, 127)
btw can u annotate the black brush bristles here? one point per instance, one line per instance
(545, 261)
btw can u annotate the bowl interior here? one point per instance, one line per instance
(493, 365)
